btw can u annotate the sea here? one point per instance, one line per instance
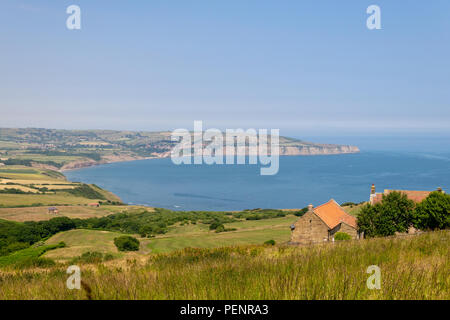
(301, 180)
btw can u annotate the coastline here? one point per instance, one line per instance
(76, 165)
(286, 151)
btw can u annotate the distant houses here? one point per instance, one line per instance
(414, 195)
(53, 210)
(320, 224)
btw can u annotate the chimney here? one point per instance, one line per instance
(372, 190)
(310, 207)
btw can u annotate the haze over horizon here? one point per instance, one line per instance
(309, 69)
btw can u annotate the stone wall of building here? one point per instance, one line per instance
(309, 229)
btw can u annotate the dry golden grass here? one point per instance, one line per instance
(416, 267)
(41, 213)
(34, 181)
(77, 211)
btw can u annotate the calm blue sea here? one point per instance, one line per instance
(300, 181)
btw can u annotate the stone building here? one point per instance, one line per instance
(53, 210)
(320, 224)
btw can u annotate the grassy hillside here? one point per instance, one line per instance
(354, 208)
(160, 230)
(415, 267)
(247, 232)
(179, 237)
(81, 241)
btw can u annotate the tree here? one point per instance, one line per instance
(394, 214)
(368, 220)
(398, 210)
(433, 212)
(126, 243)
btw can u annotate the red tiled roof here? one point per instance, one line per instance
(332, 214)
(416, 196)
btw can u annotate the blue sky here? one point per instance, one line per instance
(306, 67)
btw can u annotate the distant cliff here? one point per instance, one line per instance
(73, 149)
(326, 149)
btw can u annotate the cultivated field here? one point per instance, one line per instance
(44, 187)
(41, 213)
(17, 200)
(34, 174)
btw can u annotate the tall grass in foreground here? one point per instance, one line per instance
(415, 267)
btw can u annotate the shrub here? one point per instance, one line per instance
(255, 217)
(348, 204)
(108, 257)
(88, 257)
(301, 212)
(339, 236)
(215, 225)
(270, 243)
(433, 212)
(14, 191)
(220, 228)
(126, 243)
(92, 257)
(61, 244)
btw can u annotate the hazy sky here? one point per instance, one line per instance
(306, 67)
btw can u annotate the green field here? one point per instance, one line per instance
(248, 232)
(16, 200)
(27, 173)
(43, 158)
(224, 239)
(81, 241)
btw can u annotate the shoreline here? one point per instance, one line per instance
(77, 165)
(88, 164)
